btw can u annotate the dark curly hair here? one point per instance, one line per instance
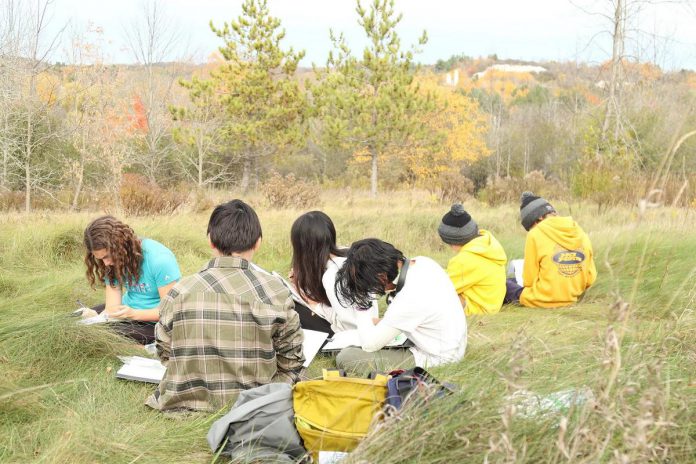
(368, 262)
(125, 250)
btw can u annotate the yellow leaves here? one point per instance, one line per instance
(506, 84)
(361, 155)
(47, 86)
(458, 128)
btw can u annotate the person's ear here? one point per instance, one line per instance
(215, 251)
(257, 245)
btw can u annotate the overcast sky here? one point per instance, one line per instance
(528, 30)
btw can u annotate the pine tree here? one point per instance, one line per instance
(263, 101)
(372, 104)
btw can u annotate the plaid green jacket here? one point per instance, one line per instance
(225, 329)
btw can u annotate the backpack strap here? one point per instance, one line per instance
(401, 282)
(382, 377)
(332, 373)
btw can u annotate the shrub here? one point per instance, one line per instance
(140, 197)
(501, 190)
(606, 182)
(66, 246)
(283, 192)
(453, 187)
(11, 201)
(200, 201)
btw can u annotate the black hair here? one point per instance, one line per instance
(313, 238)
(368, 261)
(234, 227)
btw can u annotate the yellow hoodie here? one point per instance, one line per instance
(558, 263)
(478, 274)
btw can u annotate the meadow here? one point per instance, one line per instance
(630, 342)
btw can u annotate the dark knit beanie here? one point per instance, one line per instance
(457, 227)
(532, 208)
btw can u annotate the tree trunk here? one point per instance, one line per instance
(5, 154)
(507, 170)
(118, 180)
(496, 131)
(373, 155)
(255, 175)
(117, 176)
(373, 176)
(616, 58)
(200, 169)
(78, 187)
(246, 173)
(27, 166)
(5, 159)
(526, 156)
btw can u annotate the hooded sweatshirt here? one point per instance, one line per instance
(478, 274)
(558, 263)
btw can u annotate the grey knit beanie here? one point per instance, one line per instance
(532, 208)
(457, 227)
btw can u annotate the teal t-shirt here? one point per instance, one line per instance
(159, 268)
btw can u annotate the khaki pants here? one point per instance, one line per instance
(361, 363)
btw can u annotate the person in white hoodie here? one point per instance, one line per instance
(424, 306)
(315, 261)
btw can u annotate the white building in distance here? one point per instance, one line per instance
(511, 68)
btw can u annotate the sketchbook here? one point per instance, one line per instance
(515, 269)
(141, 369)
(348, 338)
(149, 370)
(98, 319)
(313, 340)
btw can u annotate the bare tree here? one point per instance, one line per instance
(32, 48)
(622, 18)
(200, 134)
(86, 98)
(152, 41)
(11, 27)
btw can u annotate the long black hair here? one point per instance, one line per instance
(313, 238)
(361, 279)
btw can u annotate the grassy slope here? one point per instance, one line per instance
(59, 401)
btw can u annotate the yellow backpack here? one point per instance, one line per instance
(335, 413)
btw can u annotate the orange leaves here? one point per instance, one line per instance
(138, 117)
(691, 81)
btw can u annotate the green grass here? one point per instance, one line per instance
(60, 402)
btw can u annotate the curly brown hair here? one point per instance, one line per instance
(108, 233)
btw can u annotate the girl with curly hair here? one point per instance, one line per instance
(136, 272)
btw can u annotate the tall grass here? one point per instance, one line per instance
(630, 341)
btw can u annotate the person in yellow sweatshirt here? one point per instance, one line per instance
(478, 269)
(558, 258)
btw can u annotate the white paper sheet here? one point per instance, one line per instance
(98, 319)
(312, 343)
(515, 269)
(347, 338)
(141, 369)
